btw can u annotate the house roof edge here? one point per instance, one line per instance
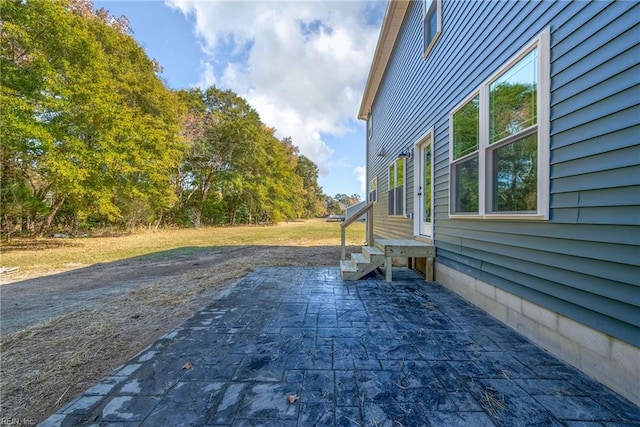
(391, 24)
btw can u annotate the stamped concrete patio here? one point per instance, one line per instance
(368, 353)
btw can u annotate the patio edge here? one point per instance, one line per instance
(608, 360)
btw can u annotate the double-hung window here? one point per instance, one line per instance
(499, 141)
(431, 23)
(373, 190)
(396, 187)
(464, 169)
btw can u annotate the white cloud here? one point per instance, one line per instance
(302, 65)
(207, 75)
(341, 163)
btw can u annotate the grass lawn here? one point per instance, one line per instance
(42, 256)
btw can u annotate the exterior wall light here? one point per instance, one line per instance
(406, 154)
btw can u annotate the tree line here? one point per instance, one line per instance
(92, 137)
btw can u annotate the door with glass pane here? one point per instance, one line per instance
(425, 190)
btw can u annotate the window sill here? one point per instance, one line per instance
(427, 51)
(508, 217)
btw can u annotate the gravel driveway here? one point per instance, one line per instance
(29, 302)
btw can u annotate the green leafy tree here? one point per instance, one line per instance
(285, 190)
(236, 170)
(345, 200)
(222, 131)
(26, 77)
(332, 206)
(87, 121)
(312, 192)
(91, 134)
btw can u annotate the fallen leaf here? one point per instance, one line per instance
(187, 365)
(291, 398)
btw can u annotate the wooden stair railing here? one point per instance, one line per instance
(368, 208)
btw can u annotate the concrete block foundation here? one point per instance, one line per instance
(610, 361)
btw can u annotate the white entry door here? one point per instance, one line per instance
(425, 188)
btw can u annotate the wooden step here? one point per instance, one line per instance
(372, 253)
(361, 264)
(359, 260)
(348, 270)
(347, 266)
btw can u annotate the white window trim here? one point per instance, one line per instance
(452, 161)
(373, 181)
(543, 112)
(427, 49)
(404, 187)
(370, 126)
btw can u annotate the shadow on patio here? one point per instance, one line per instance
(365, 353)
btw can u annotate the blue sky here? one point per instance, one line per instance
(301, 64)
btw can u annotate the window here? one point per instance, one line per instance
(499, 141)
(466, 140)
(373, 190)
(432, 23)
(396, 187)
(369, 126)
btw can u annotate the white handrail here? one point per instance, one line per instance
(353, 218)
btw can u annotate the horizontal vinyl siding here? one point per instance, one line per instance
(585, 261)
(595, 143)
(383, 138)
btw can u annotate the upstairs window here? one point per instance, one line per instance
(499, 141)
(396, 187)
(432, 23)
(465, 130)
(513, 138)
(369, 126)
(373, 190)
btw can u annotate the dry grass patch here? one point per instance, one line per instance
(36, 257)
(492, 401)
(48, 364)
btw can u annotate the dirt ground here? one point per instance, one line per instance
(62, 333)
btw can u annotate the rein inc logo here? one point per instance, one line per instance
(7, 421)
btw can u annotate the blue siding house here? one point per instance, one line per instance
(507, 135)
